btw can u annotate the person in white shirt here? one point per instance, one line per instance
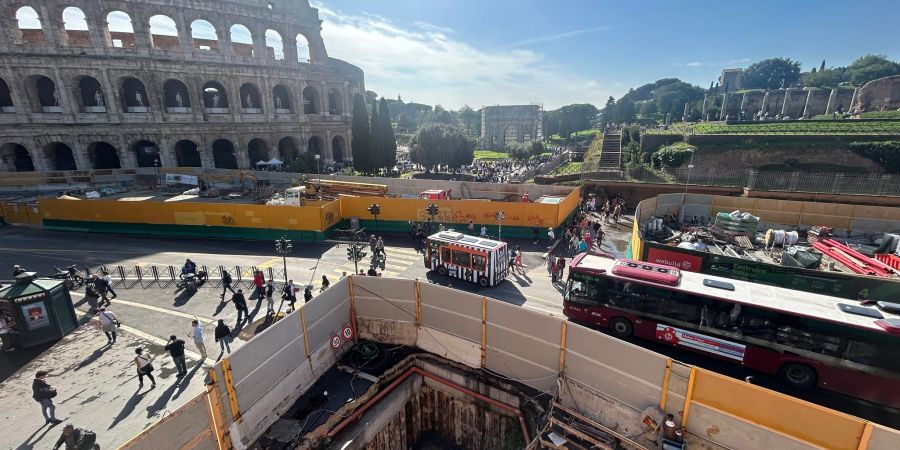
(551, 235)
(108, 324)
(483, 231)
(109, 283)
(144, 367)
(197, 335)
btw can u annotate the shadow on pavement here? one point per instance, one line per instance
(129, 407)
(35, 438)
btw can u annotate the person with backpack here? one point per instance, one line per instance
(43, 393)
(77, 439)
(289, 293)
(226, 283)
(240, 304)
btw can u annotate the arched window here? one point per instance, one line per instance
(17, 158)
(335, 102)
(6, 102)
(187, 154)
(176, 97)
(257, 151)
(104, 156)
(241, 41)
(314, 146)
(204, 35)
(303, 54)
(30, 26)
(310, 100)
(90, 95)
(163, 33)
(287, 148)
(338, 150)
(121, 32)
(147, 154)
(44, 94)
(223, 154)
(60, 156)
(281, 95)
(274, 46)
(76, 28)
(251, 102)
(134, 96)
(215, 99)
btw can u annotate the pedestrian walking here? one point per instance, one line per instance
(535, 232)
(471, 228)
(554, 271)
(240, 304)
(483, 231)
(77, 439)
(372, 243)
(108, 324)
(270, 292)
(43, 393)
(550, 260)
(308, 295)
(108, 280)
(325, 284)
(289, 293)
(379, 247)
(175, 347)
(616, 213)
(560, 267)
(258, 281)
(144, 365)
(223, 337)
(551, 234)
(6, 343)
(343, 274)
(102, 287)
(226, 283)
(197, 335)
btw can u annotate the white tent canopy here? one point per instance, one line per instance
(275, 162)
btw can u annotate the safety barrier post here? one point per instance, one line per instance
(121, 271)
(140, 277)
(155, 273)
(665, 386)
(217, 412)
(237, 276)
(483, 331)
(171, 275)
(353, 322)
(271, 274)
(229, 387)
(562, 346)
(306, 339)
(866, 436)
(418, 302)
(687, 397)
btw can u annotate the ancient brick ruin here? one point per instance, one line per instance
(502, 125)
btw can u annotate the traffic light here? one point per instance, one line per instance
(432, 209)
(374, 209)
(283, 246)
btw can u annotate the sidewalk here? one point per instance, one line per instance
(98, 390)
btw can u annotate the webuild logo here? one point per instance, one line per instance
(678, 260)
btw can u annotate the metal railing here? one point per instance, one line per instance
(145, 277)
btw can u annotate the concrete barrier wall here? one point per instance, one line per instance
(493, 191)
(189, 426)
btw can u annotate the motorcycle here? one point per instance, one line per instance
(191, 281)
(70, 275)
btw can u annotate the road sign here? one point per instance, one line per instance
(336, 342)
(347, 333)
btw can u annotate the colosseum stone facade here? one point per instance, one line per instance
(98, 84)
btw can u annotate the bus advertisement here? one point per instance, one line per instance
(470, 258)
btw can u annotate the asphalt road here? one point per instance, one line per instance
(163, 311)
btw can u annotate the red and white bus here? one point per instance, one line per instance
(808, 339)
(471, 258)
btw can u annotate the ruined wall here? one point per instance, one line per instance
(816, 102)
(502, 125)
(773, 102)
(731, 107)
(752, 103)
(880, 94)
(839, 100)
(794, 102)
(716, 159)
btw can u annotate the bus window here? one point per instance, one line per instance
(583, 293)
(461, 258)
(871, 354)
(479, 262)
(445, 255)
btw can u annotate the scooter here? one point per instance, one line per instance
(70, 274)
(191, 281)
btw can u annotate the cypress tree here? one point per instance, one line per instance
(361, 145)
(389, 142)
(376, 157)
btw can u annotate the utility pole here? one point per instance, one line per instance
(374, 209)
(284, 247)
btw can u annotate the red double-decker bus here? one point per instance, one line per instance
(808, 339)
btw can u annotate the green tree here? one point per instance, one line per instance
(609, 112)
(825, 78)
(378, 151)
(624, 111)
(405, 124)
(871, 67)
(771, 73)
(670, 99)
(647, 109)
(361, 146)
(536, 148)
(471, 120)
(517, 151)
(441, 144)
(388, 140)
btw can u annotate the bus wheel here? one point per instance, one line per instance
(798, 375)
(621, 327)
(483, 281)
(442, 271)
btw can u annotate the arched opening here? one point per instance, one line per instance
(335, 105)
(163, 33)
(147, 154)
(315, 146)
(75, 27)
(257, 151)
(241, 41)
(310, 100)
(134, 96)
(223, 154)
(338, 152)
(30, 26)
(175, 95)
(274, 46)
(303, 54)
(204, 36)
(287, 148)
(282, 97)
(104, 156)
(17, 158)
(250, 99)
(44, 94)
(510, 135)
(90, 95)
(187, 154)
(6, 102)
(121, 31)
(60, 156)
(215, 99)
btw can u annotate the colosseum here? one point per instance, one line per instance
(101, 84)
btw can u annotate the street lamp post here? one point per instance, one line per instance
(374, 209)
(432, 211)
(283, 247)
(690, 169)
(500, 217)
(318, 172)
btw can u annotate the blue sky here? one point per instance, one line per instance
(528, 51)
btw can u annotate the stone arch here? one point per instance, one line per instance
(44, 94)
(163, 33)
(17, 157)
(274, 46)
(104, 156)
(75, 27)
(303, 53)
(215, 98)
(287, 149)
(204, 36)
(257, 150)
(223, 154)
(335, 102)
(60, 156)
(90, 95)
(120, 31)
(283, 101)
(146, 153)
(176, 97)
(241, 41)
(6, 102)
(134, 96)
(187, 154)
(310, 100)
(338, 149)
(315, 146)
(251, 101)
(30, 26)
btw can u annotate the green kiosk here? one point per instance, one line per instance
(36, 310)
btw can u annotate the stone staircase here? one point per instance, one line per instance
(611, 152)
